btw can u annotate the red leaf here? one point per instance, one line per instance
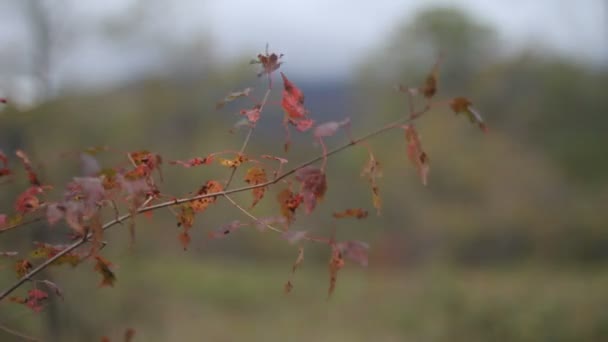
(415, 153)
(35, 299)
(33, 178)
(28, 200)
(3, 220)
(253, 114)
(293, 104)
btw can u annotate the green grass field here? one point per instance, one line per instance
(179, 299)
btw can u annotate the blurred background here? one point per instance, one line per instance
(508, 242)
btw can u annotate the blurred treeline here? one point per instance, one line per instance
(532, 189)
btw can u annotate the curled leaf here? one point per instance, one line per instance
(462, 105)
(103, 267)
(336, 262)
(233, 96)
(415, 153)
(372, 171)
(293, 105)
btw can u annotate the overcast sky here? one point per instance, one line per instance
(344, 32)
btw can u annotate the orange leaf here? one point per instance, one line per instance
(356, 213)
(184, 239)
(103, 267)
(199, 205)
(289, 202)
(255, 176)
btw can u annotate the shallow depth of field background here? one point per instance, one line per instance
(508, 242)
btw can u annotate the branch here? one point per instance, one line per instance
(145, 208)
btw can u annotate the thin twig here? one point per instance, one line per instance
(17, 333)
(19, 224)
(247, 138)
(144, 209)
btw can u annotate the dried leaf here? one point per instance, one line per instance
(429, 89)
(200, 205)
(233, 96)
(373, 171)
(256, 176)
(356, 213)
(294, 236)
(355, 251)
(269, 62)
(4, 170)
(288, 287)
(253, 114)
(330, 128)
(289, 202)
(196, 161)
(336, 262)
(103, 267)
(293, 105)
(184, 239)
(463, 105)
(28, 201)
(129, 335)
(313, 187)
(299, 260)
(51, 285)
(22, 267)
(233, 163)
(415, 153)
